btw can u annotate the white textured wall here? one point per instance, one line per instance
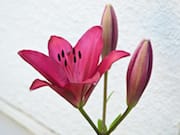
(29, 23)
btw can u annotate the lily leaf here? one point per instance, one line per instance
(100, 126)
(115, 121)
(109, 96)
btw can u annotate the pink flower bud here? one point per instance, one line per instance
(139, 72)
(110, 30)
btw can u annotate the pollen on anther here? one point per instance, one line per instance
(79, 54)
(62, 53)
(74, 59)
(59, 57)
(65, 63)
(73, 51)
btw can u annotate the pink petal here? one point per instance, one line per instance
(94, 79)
(90, 47)
(61, 50)
(58, 46)
(111, 58)
(38, 83)
(49, 68)
(70, 96)
(79, 89)
(67, 94)
(88, 93)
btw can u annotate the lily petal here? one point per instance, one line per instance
(49, 68)
(88, 93)
(94, 79)
(90, 47)
(71, 92)
(109, 59)
(37, 83)
(61, 50)
(66, 93)
(58, 47)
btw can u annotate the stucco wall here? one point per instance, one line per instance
(29, 24)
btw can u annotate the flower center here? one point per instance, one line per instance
(70, 63)
(72, 55)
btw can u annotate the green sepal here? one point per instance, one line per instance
(100, 126)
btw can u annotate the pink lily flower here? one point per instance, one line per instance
(139, 72)
(72, 72)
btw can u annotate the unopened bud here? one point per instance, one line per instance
(110, 30)
(139, 72)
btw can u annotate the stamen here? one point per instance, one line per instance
(74, 59)
(65, 63)
(73, 51)
(59, 57)
(79, 54)
(62, 53)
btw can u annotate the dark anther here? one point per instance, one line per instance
(74, 59)
(62, 53)
(65, 63)
(79, 54)
(59, 57)
(73, 51)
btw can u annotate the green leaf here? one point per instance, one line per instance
(109, 96)
(115, 121)
(101, 127)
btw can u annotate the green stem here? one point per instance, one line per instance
(83, 112)
(119, 118)
(105, 100)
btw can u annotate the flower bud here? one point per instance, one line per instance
(139, 72)
(110, 30)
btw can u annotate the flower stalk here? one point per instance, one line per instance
(119, 119)
(110, 37)
(86, 116)
(105, 101)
